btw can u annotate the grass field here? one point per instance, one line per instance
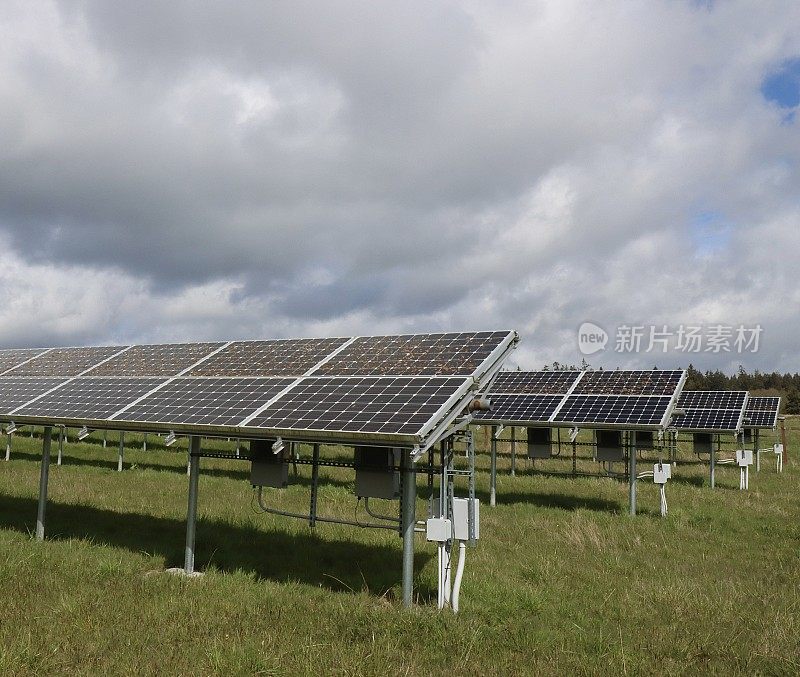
(562, 582)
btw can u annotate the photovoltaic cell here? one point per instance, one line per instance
(520, 408)
(155, 360)
(761, 419)
(712, 399)
(268, 358)
(414, 354)
(12, 357)
(90, 398)
(216, 401)
(708, 419)
(15, 392)
(613, 409)
(389, 405)
(65, 361)
(534, 382)
(764, 404)
(654, 382)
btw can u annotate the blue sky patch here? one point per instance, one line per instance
(710, 233)
(782, 86)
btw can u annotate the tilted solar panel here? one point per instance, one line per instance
(709, 420)
(523, 409)
(216, 388)
(15, 392)
(535, 382)
(287, 357)
(90, 398)
(414, 355)
(712, 399)
(15, 356)
(651, 382)
(760, 419)
(395, 405)
(65, 361)
(214, 401)
(155, 360)
(618, 410)
(764, 404)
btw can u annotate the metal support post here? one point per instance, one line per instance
(191, 513)
(755, 450)
(493, 467)
(513, 451)
(144, 443)
(783, 441)
(713, 463)
(8, 446)
(43, 477)
(121, 450)
(60, 444)
(408, 523)
(632, 472)
(312, 513)
(105, 438)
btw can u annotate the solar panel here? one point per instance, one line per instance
(710, 410)
(761, 419)
(762, 412)
(652, 382)
(89, 398)
(12, 357)
(387, 405)
(214, 401)
(65, 361)
(15, 392)
(268, 358)
(247, 387)
(155, 360)
(764, 404)
(712, 399)
(619, 410)
(414, 355)
(534, 382)
(525, 409)
(709, 419)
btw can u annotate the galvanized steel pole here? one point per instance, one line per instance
(493, 470)
(191, 513)
(409, 521)
(632, 472)
(45, 472)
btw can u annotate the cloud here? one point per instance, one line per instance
(197, 170)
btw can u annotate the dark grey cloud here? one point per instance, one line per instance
(202, 169)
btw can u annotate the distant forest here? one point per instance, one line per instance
(785, 386)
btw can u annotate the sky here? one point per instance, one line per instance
(211, 170)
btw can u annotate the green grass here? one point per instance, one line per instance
(563, 581)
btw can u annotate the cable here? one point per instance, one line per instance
(462, 553)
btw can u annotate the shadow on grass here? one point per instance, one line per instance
(341, 566)
(69, 458)
(557, 501)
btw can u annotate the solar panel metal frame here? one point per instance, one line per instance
(675, 423)
(552, 421)
(436, 425)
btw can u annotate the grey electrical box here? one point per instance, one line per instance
(702, 443)
(539, 441)
(268, 469)
(376, 476)
(609, 445)
(645, 439)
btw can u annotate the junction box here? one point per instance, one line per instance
(461, 518)
(660, 476)
(539, 441)
(702, 443)
(744, 457)
(268, 469)
(609, 445)
(376, 476)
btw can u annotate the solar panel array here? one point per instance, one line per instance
(762, 412)
(711, 411)
(371, 388)
(595, 399)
